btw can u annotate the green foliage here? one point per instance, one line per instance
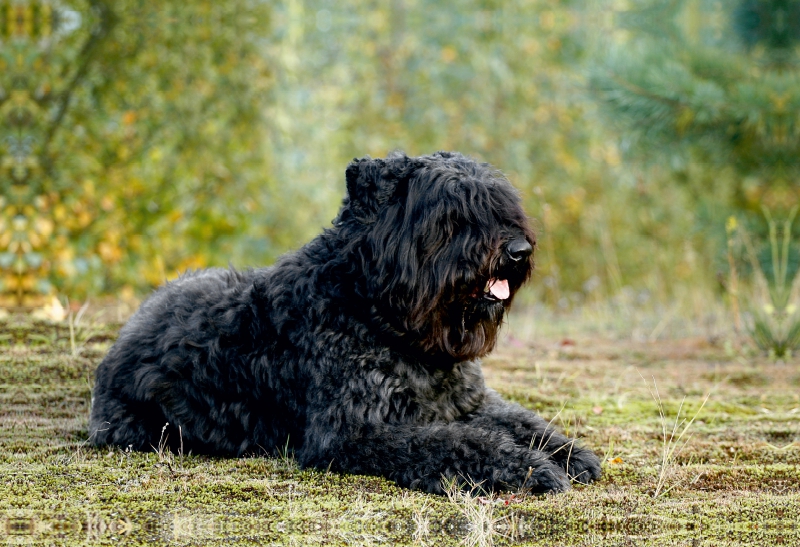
(775, 325)
(713, 87)
(140, 139)
(691, 84)
(130, 139)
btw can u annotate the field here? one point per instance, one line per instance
(718, 465)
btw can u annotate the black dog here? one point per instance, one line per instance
(361, 349)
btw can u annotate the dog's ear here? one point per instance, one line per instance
(371, 183)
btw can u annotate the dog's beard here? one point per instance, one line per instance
(467, 327)
(480, 325)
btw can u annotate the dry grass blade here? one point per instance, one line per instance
(542, 441)
(478, 511)
(162, 450)
(422, 524)
(672, 439)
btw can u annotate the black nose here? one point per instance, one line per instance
(519, 249)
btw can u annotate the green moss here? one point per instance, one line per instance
(734, 481)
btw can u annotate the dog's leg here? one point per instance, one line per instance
(420, 456)
(115, 423)
(528, 428)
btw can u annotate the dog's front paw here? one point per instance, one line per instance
(546, 477)
(583, 466)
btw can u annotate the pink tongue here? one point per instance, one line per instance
(499, 288)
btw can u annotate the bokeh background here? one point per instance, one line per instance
(655, 142)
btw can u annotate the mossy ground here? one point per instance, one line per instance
(736, 481)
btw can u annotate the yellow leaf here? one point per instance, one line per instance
(449, 54)
(731, 224)
(53, 311)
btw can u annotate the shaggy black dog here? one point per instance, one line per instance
(360, 350)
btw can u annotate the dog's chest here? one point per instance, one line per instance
(441, 395)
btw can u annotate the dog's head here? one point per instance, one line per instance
(443, 246)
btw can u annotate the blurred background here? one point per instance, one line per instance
(655, 142)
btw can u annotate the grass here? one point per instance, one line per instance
(671, 438)
(730, 475)
(774, 323)
(478, 510)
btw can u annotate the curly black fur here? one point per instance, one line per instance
(361, 349)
